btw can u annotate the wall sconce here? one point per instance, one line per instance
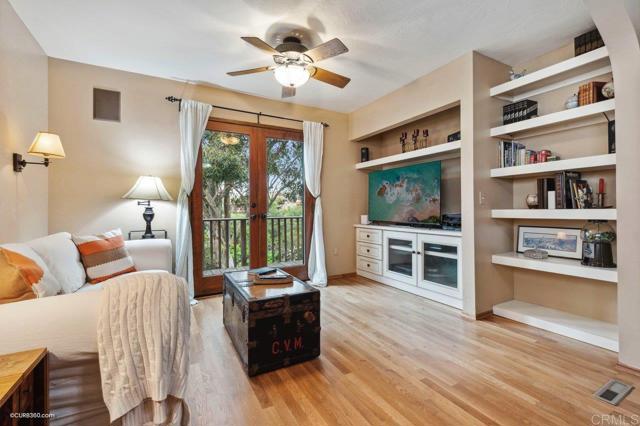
(46, 145)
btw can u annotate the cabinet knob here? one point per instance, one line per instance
(368, 266)
(367, 250)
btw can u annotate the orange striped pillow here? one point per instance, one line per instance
(18, 276)
(104, 256)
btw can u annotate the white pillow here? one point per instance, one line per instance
(48, 285)
(62, 258)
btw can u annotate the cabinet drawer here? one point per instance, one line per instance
(369, 235)
(369, 265)
(370, 250)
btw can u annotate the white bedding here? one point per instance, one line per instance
(66, 326)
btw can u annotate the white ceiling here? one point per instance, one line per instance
(391, 42)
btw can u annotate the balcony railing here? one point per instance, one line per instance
(227, 241)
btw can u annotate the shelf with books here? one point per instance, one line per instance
(435, 152)
(553, 214)
(521, 127)
(556, 265)
(568, 72)
(591, 163)
(595, 332)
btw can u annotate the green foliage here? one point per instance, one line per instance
(225, 177)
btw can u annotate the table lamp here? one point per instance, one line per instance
(145, 189)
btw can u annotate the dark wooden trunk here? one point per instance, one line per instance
(271, 326)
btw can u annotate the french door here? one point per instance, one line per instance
(249, 206)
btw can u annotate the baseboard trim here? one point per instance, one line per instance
(632, 370)
(338, 276)
(479, 316)
(484, 315)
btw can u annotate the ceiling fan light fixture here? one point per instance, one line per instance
(292, 75)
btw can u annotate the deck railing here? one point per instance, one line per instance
(226, 242)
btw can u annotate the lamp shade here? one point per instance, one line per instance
(47, 145)
(148, 188)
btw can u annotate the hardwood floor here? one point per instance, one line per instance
(389, 357)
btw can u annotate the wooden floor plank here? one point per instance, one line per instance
(392, 358)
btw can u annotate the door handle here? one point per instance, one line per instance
(263, 216)
(253, 216)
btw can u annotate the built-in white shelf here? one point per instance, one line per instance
(571, 71)
(556, 265)
(443, 150)
(594, 162)
(559, 117)
(561, 214)
(595, 332)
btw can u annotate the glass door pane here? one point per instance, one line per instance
(285, 224)
(225, 202)
(440, 270)
(400, 256)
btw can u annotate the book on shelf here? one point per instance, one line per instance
(545, 186)
(518, 111)
(563, 183)
(590, 93)
(513, 153)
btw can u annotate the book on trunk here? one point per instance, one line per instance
(277, 277)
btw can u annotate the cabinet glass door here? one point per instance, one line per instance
(440, 265)
(400, 259)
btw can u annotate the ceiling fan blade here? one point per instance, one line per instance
(262, 45)
(249, 71)
(330, 77)
(288, 92)
(326, 50)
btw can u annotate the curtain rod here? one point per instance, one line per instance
(257, 114)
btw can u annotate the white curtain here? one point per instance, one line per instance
(313, 141)
(193, 120)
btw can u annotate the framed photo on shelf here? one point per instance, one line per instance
(558, 242)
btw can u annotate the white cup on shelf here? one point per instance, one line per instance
(364, 219)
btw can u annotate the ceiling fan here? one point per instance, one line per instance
(295, 64)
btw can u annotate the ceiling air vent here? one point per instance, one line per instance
(106, 105)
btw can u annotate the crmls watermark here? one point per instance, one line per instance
(615, 420)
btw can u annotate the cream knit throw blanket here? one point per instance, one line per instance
(143, 344)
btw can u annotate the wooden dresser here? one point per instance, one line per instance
(24, 388)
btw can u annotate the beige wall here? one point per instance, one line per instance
(105, 158)
(494, 284)
(23, 112)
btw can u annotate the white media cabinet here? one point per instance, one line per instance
(425, 262)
